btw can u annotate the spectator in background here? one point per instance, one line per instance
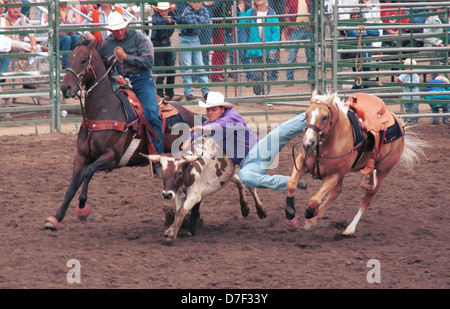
(438, 39)
(344, 12)
(410, 78)
(5, 46)
(257, 34)
(439, 83)
(83, 8)
(194, 14)
(100, 16)
(18, 45)
(302, 32)
(164, 15)
(67, 40)
(204, 34)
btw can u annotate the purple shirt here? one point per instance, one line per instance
(236, 138)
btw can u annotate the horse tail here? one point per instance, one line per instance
(413, 149)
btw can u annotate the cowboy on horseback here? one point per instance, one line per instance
(131, 55)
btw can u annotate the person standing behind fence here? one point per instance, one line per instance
(194, 14)
(439, 83)
(260, 9)
(410, 78)
(164, 15)
(301, 32)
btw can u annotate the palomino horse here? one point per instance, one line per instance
(332, 148)
(114, 145)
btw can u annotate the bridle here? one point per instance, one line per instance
(330, 123)
(90, 68)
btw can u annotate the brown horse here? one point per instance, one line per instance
(110, 147)
(330, 152)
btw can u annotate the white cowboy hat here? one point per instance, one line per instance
(163, 6)
(215, 99)
(116, 21)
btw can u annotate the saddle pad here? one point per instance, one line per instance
(356, 128)
(393, 132)
(126, 106)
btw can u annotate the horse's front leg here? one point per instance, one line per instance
(297, 172)
(316, 208)
(80, 164)
(105, 161)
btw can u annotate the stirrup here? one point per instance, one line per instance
(369, 181)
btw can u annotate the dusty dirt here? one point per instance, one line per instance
(406, 229)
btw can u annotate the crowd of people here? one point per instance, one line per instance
(185, 13)
(194, 64)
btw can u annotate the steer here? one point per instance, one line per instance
(189, 179)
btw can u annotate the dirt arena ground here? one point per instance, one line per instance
(406, 229)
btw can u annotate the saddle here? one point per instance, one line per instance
(166, 111)
(373, 118)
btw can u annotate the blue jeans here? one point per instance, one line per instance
(243, 38)
(192, 58)
(261, 157)
(412, 108)
(445, 110)
(301, 34)
(144, 88)
(4, 66)
(67, 43)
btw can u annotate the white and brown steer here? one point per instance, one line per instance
(189, 179)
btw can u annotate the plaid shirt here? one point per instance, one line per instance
(193, 17)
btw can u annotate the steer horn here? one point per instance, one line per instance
(151, 157)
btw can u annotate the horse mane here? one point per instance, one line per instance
(88, 43)
(337, 100)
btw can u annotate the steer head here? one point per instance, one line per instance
(176, 173)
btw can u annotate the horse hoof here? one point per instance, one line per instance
(51, 223)
(84, 212)
(308, 226)
(292, 225)
(310, 213)
(168, 241)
